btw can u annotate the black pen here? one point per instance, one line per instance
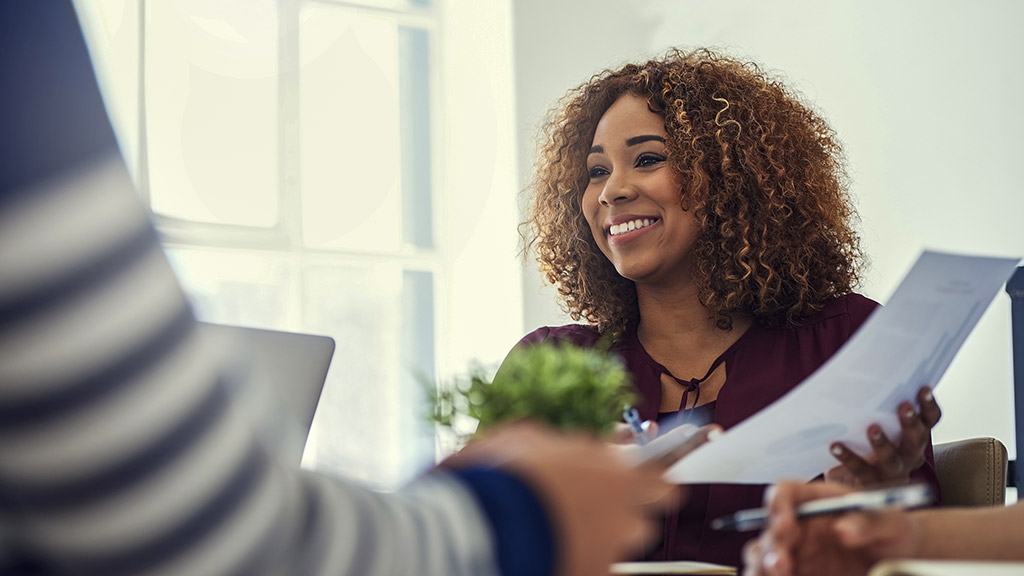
(910, 496)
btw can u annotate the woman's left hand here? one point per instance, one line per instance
(889, 463)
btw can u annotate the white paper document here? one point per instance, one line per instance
(903, 346)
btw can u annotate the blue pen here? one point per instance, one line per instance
(632, 417)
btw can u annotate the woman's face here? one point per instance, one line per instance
(632, 200)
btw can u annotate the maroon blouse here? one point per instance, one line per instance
(761, 366)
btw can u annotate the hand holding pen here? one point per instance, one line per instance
(902, 497)
(636, 428)
(649, 447)
(838, 544)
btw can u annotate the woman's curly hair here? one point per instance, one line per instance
(764, 174)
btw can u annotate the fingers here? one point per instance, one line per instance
(880, 531)
(782, 500)
(888, 460)
(696, 439)
(915, 434)
(930, 412)
(753, 558)
(861, 471)
(623, 433)
(854, 530)
(773, 553)
(841, 475)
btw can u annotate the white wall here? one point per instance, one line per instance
(923, 93)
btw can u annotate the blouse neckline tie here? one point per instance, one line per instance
(693, 384)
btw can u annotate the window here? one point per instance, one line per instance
(293, 154)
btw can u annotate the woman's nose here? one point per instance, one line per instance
(616, 190)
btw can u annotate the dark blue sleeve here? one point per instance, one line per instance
(524, 538)
(52, 117)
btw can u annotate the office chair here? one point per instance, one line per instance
(972, 472)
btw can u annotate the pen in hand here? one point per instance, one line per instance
(632, 418)
(910, 496)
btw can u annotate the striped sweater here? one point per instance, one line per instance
(121, 451)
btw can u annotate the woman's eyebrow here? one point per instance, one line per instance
(597, 149)
(644, 138)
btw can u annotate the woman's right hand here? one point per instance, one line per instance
(623, 433)
(669, 447)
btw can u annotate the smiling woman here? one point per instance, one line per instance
(695, 211)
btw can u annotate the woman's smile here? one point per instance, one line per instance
(630, 229)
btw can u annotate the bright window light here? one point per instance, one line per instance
(211, 110)
(349, 127)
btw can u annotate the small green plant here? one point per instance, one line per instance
(565, 386)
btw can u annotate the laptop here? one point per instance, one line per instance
(277, 377)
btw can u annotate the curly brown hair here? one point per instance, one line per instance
(764, 174)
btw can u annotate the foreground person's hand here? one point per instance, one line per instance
(844, 545)
(599, 504)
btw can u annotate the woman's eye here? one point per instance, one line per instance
(597, 172)
(648, 160)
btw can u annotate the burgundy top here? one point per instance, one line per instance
(761, 366)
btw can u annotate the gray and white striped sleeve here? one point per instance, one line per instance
(120, 451)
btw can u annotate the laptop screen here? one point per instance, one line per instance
(278, 378)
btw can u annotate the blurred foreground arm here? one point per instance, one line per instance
(121, 451)
(852, 543)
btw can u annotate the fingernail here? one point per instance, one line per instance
(771, 559)
(908, 414)
(837, 450)
(714, 434)
(876, 433)
(928, 396)
(846, 528)
(645, 425)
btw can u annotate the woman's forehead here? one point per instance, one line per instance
(628, 116)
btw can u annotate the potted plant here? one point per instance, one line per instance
(565, 386)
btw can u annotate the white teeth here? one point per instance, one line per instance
(617, 229)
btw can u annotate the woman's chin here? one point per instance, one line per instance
(636, 272)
